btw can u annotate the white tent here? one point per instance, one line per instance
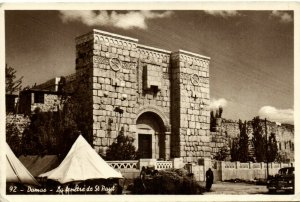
(16, 171)
(81, 163)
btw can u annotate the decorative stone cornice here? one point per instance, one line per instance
(140, 46)
(112, 35)
(107, 38)
(191, 58)
(193, 54)
(153, 52)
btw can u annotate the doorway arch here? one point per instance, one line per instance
(151, 135)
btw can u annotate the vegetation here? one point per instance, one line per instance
(259, 140)
(13, 138)
(234, 150)
(175, 181)
(240, 149)
(243, 150)
(12, 84)
(213, 118)
(122, 148)
(52, 132)
(222, 154)
(272, 148)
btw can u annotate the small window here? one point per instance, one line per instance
(38, 97)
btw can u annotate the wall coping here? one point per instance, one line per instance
(96, 31)
(155, 49)
(193, 54)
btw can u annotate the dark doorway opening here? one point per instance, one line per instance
(145, 146)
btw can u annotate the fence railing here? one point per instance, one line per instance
(134, 164)
(162, 165)
(230, 164)
(244, 165)
(248, 165)
(124, 164)
(256, 165)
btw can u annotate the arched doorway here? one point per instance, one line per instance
(151, 136)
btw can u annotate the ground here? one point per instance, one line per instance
(236, 188)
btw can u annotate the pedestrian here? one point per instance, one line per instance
(142, 178)
(209, 179)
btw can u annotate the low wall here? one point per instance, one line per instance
(131, 169)
(224, 170)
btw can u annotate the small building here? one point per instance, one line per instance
(30, 99)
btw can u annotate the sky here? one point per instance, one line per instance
(252, 52)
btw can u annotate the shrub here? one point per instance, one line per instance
(122, 148)
(168, 182)
(222, 154)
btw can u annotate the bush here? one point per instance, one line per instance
(122, 148)
(168, 182)
(222, 154)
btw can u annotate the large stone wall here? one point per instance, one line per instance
(120, 73)
(227, 130)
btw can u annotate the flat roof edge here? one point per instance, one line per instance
(153, 48)
(115, 35)
(193, 54)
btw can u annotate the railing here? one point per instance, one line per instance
(229, 165)
(162, 165)
(244, 165)
(123, 164)
(249, 165)
(256, 165)
(285, 165)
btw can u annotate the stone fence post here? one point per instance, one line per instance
(223, 170)
(177, 163)
(237, 165)
(250, 165)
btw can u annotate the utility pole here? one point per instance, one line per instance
(267, 146)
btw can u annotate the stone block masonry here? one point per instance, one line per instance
(227, 130)
(155, 96)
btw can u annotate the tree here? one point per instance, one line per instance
(219, 112)
(13, 139)
(213, 118)
(258, 139)
(234, 150)
(213, 122)
(11, 84)
(39, 136)
(222, 154)
(243, 142)
(122, 148)
(272, 148)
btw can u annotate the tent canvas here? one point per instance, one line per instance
(16, 172)
(81, 163)
(39, 164)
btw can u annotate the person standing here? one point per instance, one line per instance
(209, 179)
(143, 177)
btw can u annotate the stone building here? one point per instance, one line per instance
(157, 97)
